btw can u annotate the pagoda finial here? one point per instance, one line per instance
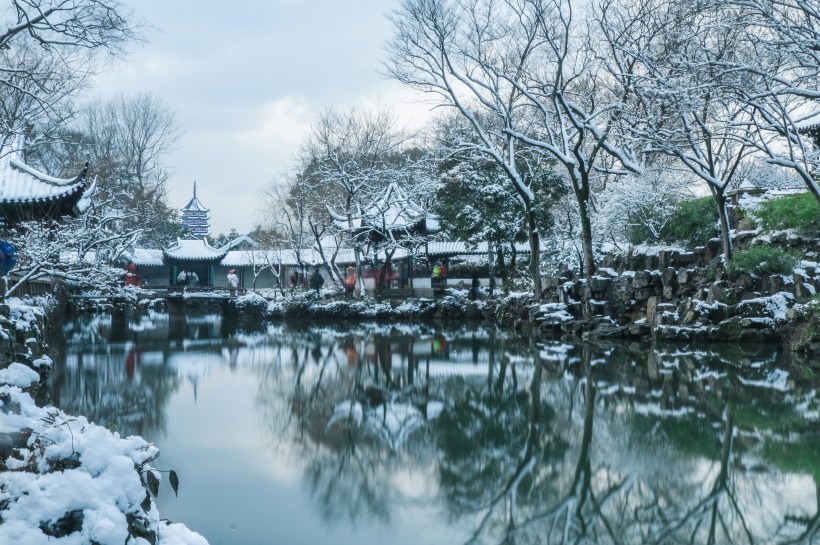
(195, 189)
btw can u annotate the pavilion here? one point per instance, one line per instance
(392, 218)
(193, 255)
(811, 126)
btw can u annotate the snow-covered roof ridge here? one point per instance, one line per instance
(193, 249)
(195, 205)
(394, 209)
(20, 182)
(239, 240)
(147, 257)
(809, 121)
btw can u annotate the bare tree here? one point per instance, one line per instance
(55, 24)
(48, 48)
(781, 60)
(680, 108)
(347, 158)
(525, 74)
(461, 53)
(35, 96)
(286, 204)
(126, 141)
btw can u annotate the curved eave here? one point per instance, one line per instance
(46, 179)
(194, 205)
(216, 259)
(72, 189)
(72, 193)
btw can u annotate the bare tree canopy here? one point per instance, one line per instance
(524, 74)
(47, 54)
(56, 24)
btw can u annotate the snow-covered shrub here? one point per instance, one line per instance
(636, 209)
(77, 482)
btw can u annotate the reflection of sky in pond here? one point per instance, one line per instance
(290, 433)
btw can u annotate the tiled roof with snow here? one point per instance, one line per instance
(193, 250)
(287, 257)
(808, 122)
(462, 248)
(147, 258)
(240, 240)
(22, 183)
(393, 210)
(249, 258)
(194, 205)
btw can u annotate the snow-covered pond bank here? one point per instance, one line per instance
(64, 479)
(371, 433)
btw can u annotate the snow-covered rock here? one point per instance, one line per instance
(77, 483)
(19, 375)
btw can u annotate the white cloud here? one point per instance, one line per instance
(246, 88)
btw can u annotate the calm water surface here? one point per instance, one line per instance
(429, 434)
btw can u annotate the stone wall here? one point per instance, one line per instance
(685, 295)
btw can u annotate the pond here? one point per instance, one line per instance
(372, 433)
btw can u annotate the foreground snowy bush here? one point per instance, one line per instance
(67, 478)
(63, 479)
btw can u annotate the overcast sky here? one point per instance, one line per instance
(246, 79)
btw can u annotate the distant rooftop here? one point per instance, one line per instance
(193, 250)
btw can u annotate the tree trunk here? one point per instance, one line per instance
(535, 249)
(502, 270)
(725, 234)
(586, 237)
(358, 260)
(388, 266)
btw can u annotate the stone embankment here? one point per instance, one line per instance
(679, 295)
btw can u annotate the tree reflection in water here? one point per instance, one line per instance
(502, 439)
(549, 443)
